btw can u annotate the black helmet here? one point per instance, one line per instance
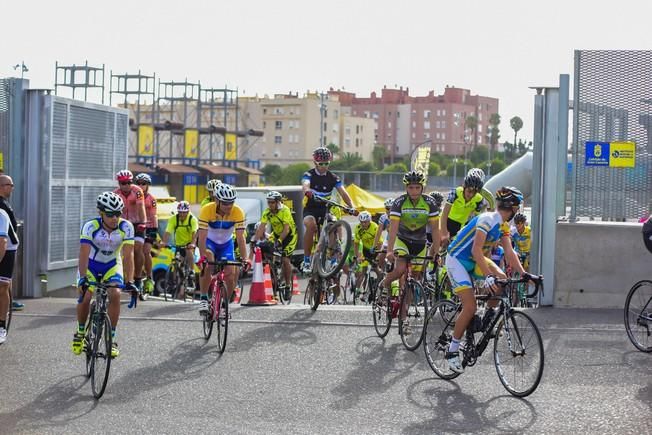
(322, 154)
(508, 197)
(519, 218)
(474, 179)
(438, 197)
(414, 177)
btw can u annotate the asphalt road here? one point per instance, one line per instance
(289, 370)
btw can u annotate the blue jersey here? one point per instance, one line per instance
(383, 222)
(490, 223)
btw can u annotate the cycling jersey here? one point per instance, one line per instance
(206, 200)
(133, 200)
(460, 208)
(182, 231)
(367, 236)
(490, 223)
(220, 228)
(150, 211)
(497, 254)
(522, 241)
(105, 256)
(278, 220)
(413, 218)
(322, 185)
(383, 221)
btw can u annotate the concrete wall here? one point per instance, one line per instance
(596, 263)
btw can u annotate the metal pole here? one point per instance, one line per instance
(321, 119)
(576, 135)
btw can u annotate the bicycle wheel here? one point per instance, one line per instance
(100, 354)
(89, 336)
(222, 318)
(333, 249)
(638, 315)
(437, 336)
(518, 354)
(346, 289)
(411, 328)
(382, 312)
(9, 311)
(172, 283)
(208, 318)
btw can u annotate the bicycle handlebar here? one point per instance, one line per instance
(333, 203)
(536, 279)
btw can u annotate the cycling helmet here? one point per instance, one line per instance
(474, 179)
(210, 185)
(124, 175)
(322, 154)
(109, 201)
(274, 196)
(364, 216)
(389, 202)
(438, 197)
(519, 218)
(414, 177)
(508, 197)
(224, 193)
(143, 178)
(183, 206)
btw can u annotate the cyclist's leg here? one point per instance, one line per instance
(400, 264)
(205, 278)
(227, 252)
(461, 283)
(288, 249)
(139, 259)
(310, 224)
(150, 238)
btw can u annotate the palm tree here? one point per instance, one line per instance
(516, 123)
(471, 122)
(494, 121)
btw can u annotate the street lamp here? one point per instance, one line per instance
(23, 68)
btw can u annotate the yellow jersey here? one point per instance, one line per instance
(220, 228)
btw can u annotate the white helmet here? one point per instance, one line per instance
(389, 202)
(365, 216)
(183, 206)
(210, 185)
(274, 195)
(224, 192)
(144, 177)
(109, 201)
(124, 175)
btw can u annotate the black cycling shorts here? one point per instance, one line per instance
(150, 235)
(319, 213)
(453, 227)
(647, 234)
(7, 266)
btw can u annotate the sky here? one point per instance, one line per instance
(497, 49)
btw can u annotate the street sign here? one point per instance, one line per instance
(617, 154)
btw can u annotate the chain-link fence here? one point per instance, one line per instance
(612, 102)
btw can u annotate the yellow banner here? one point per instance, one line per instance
(191, 142)
(623, 154)
(230, 148)
(145, 140)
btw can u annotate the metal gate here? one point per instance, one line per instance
(612, 102)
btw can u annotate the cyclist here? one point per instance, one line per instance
(319, 182)
(217, 222)
(210, 187)
(151, 229)
(134, 211)
(284, 231)
(183, 227)
(383, 225)
(411, 213)
(463, 202)
(466, 255)
(104, 243)
(364, 237)
(521, 238)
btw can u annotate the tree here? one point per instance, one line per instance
(434, 169)
(271, 173)
(378, 156)
(478, 155)
(471, 123)
(396, 167)
(516, 123)
(494, 135)
(291, 174)
(346, 162)
(333, 148)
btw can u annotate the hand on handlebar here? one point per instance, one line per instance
(309, 194)
(352, 211)
(490, 284)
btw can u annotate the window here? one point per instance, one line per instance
(264, 124)
(278, 139)
(325, 126)
(414, 124)
(437, 135)
(374, 115)
(426, 114)
(443, 136)
(357, 129)
(480, 116)
(366, 114)
(437, 124)
(347, 130)
(325, 113)
(426, 135)
(279, 111)
(336, 114)
(389, 124)
(438, 112)
(426, 125)
(443, 147)
(297, 124)
(479, 128)
(278, 125)
(398, 114)
(357, 142)
(264, 111)
(347, 142)
(389, 114)
(414, 135)
(443, 112)
(443, 124)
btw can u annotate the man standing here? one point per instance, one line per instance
(8, 247)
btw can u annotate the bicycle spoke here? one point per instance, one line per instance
(638, 315)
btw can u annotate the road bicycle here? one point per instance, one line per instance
(179, 276)
(274, 258)
(218, 303)
(98, 339)
(8, 314)
(517, 349)
(638, 315)
(368, 283)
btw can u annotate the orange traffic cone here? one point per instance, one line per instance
(258, 294)
(295, 285)
(269, 289)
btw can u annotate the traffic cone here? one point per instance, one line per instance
(258, 292)
(295, 285)
(269, 289)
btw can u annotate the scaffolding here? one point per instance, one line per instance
(176, 110)
(83, 77)
(216, 103)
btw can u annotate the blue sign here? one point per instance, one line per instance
(190, 179)
(597, 154)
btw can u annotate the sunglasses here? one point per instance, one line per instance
(323, 163)
(125, 183)
(112, 213)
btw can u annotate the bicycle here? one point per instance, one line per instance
(272, 256)
(638, 315)
(178, 275)
(98, 338)
(515, 336)
(218, 304)
(9, 311)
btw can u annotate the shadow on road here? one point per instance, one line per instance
(377, 368)
(449, 410)
(49, 321)
(67, 400)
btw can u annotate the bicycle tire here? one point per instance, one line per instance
(522, 345)
(9, 312)
(89, 336)
(636, 326)
(101, 352)
(171, 282)
(437, 335)
(316, 295)
(415, 314)
(382, 313)
(346, 289)
(324, 267)
(221, 317)
(208, 318)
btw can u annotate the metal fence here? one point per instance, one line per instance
(612, 102)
